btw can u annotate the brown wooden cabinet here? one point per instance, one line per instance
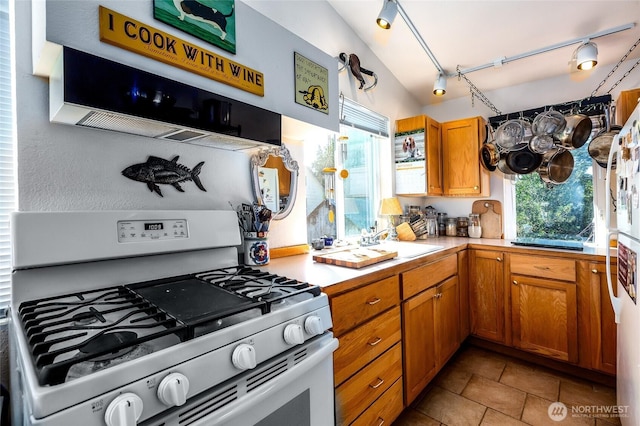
(625, 104)
(433, 149)
(602, 345)
(486, 295)
(544, 306)
(463, 176)
(430, 318)
(368, 362)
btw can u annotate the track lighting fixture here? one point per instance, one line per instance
(387, 14)
(440, 85)
(587, 56)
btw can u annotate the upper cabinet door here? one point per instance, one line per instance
(463, 175)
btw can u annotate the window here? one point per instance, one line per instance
(7, 185)
(342, 206)
(561, 212)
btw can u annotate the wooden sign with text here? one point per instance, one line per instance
(129, 34)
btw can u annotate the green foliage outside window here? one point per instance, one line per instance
(561, 212)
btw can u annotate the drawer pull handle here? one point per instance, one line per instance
(374, 342)
(499, 259)
(515, 282)
(544, 268)
(377, 385)
(381, 421)
(373, 301)
(594, 271)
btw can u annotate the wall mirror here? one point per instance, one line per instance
(275, 180)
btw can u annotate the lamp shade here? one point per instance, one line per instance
(440, 86)
(587, 56)
(387, 14)
(390, 206)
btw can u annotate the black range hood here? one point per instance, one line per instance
(89, 91)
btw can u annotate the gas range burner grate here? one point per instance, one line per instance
(65, 331)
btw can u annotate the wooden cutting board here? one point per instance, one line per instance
(490, 212)
(356, 257)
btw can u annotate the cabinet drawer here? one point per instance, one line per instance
(547, 267)
(357, 306)
(385, 410)
(363, 344)
(423, 277)
(357, 393)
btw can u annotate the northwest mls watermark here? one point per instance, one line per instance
(558, 411)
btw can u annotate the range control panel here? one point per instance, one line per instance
(152, 230)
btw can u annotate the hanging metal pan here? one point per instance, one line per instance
(556, 167)
(576, 132)
(523, 161)
(600, 146)
(511, 135)
(489, 156)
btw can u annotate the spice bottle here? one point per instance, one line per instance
(462, 227)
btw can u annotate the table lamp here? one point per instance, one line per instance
(391, 207)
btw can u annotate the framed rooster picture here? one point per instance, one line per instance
(213, 21)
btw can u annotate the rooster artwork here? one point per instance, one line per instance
(165, 172)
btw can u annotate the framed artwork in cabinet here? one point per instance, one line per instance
(410, 162)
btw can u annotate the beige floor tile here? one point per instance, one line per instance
(531, 381)
(450, 408)
(576, 392)
(453, 379)
(494, 418)
(481, 362)
(536, 412)
(415, 418)
(502, 398)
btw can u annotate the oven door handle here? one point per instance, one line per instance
(227, 413)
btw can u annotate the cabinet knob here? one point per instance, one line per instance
(594, 271)
(475, 188)
(499, 259)
(515, 282)
(373, 301)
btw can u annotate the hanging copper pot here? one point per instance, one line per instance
(489, 156)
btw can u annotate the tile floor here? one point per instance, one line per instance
(479, 387)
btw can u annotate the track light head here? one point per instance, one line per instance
(387, 14)
(440, 85)
(587, 56)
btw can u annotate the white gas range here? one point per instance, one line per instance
(146, 317)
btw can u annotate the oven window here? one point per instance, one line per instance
(295, 412)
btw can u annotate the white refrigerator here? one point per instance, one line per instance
(626, 151)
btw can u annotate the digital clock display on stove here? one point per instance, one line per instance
(156, 226)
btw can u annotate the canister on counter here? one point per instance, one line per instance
(256, 248)
(462, 227)
(451, 227)
(442, 224)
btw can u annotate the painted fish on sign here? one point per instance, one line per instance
(165, 172)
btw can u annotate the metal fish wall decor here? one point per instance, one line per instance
(165, 172)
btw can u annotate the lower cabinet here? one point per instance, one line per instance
(430, 324)
(487, 295)
(368, 362)
(602, 326)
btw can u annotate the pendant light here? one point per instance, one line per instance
(387, 14)
(440, 85)
(587, 56)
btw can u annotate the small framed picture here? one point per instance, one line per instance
(213, 21)
(311, 84)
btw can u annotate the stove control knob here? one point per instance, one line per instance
(313, 325)
(124, 410)
(173, 389)
(244, 357)
(293, 334)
